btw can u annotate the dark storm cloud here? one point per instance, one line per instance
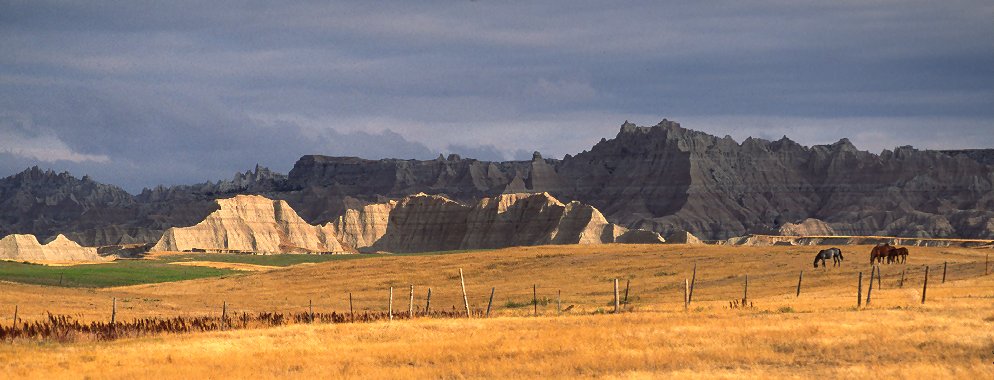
(176, 92)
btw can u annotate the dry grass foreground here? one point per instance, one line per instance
(817, 334)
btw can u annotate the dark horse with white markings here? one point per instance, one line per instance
(832, 253)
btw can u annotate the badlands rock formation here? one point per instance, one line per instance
(663, 178)
(769, 240)
(667, 178)
(809, 227)
(362, 226)
(27, 248)
(418, 223)
(251, 223)
(434, 223)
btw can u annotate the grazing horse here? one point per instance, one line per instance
(832, 253)
(900, 255)
(880, 252)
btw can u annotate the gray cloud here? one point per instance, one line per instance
(176, 92)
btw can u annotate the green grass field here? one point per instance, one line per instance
(160, 269)
(283, 260)
(118, 273)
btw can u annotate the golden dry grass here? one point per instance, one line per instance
(223, 265)
(817, 334)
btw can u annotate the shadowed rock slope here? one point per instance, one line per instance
(662, 178)
(418, 223)
(434, 223)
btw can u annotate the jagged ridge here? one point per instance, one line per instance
(663, 178)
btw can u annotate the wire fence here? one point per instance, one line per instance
(403, 305)
(64, 328)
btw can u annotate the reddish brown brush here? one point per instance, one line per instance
(64, 328)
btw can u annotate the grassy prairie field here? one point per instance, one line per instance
(118, 273)
(266, 260)
(821, 333)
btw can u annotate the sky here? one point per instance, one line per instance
(140, 93)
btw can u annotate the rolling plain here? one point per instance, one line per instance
(819, 333)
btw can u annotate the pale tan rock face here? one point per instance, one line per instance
(251, 223)
(27, 248)
(809, 227)
(423, 222)
(362, 227)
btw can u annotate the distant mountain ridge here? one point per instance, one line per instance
(663, 178)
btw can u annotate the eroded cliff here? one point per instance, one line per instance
(251, 223)
(425, 222)
(663, 178)
(27, 248)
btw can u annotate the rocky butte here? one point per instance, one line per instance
(417, 223)
(662, 178)
(27, 248)
(424, 222)
(251, 224)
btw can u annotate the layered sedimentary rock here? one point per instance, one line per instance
(808, 227)
(251, 223)
(769, 240)
(663, 178)
(683, 237)
(27, 248)
(434, 223)
(45, 203)
(669, 179)
(364, 225)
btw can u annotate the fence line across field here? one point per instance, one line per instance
(909, 275)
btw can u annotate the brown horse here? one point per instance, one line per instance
(880, 252)
(900, 255)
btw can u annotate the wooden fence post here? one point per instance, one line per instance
(559, 302)
(428, 302)
(491, 302)
(745, 292)
(686, 294)
(15, 316)
(616, 302)
(879, 285)
(628, 284)
(901, 284)
(944, 271)
(310, 309)
(224, 313)
(693, 281)
(925, 285)
(987, 264)
(390, 305)
(351, 310)
(799, 277)
(113, 311)
(535, 299)
(869, 290)
(859, 291)
(465, 299)
(410, 306)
